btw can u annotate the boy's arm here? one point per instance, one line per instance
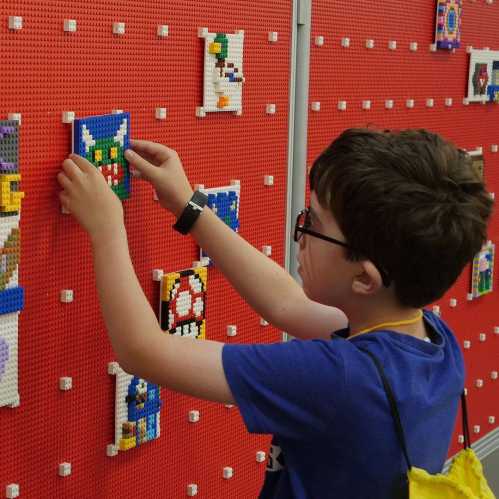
(265, 285)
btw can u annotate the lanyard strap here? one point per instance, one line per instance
(396, 415)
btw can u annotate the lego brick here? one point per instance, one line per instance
(183, 303)
(223, 72)
(137, 411)
(448, 24)
(103, 140)
(482, 280)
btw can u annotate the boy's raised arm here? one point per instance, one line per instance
(266, 286)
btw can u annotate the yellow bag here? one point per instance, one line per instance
(465, 479)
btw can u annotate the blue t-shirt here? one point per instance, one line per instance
(324, 403)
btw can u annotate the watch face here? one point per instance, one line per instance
(183, 299)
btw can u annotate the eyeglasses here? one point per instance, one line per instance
(302, 226)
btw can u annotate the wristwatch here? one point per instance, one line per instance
(191, 213)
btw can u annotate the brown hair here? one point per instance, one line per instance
(410, 202)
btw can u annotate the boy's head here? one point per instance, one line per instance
(411, 209)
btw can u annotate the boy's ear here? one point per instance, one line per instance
(367, 280)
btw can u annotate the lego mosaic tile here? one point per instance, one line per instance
(225, 203)
(103, 140)
(183, 302)
(137, 410)
(223, 71)
(483, 79)
(448, 25)
(482, 281)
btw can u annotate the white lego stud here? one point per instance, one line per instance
(273, 36)
(483, 337)
(469, 296)
(193, 416)
(409, 103)
(492, 419)
(494, 148)
(65, 383)
(319, 41)
(64, 469)
(392, 45)
(496, 329)
(316, 106)
(433, 47)
(162, 30)
(12, 491)
(261, 456)
(370, 44)
(235, 182)
(466, 101)
(15, 22)
(263, 322)
(192, 489)
(228, 472)
(119, 28)
(70, 25)
(117, 111)
(160, 113)
(267, 250)
(389, 104)
(157, 274)
(270, 109)
(493, 375)
(200, 112)
(345, 42)
(229, 406)
(231, 330)
(476, 428)
(111, 450)
(436, 309)
(460, 439)
(67, 295)
(413, 46)
(16, 117)
(479, 383)
(268, 180)
(366, 105)
(68, 116)
(453, 302)
(430, 102)
(448, 101)
(342, 105)
(466, 344)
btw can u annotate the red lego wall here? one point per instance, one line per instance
(377, 74)
(46, 71)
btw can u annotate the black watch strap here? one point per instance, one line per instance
(191, 212)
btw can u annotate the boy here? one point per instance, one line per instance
(394, 219)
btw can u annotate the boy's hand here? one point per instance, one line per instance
(88, 197)
(162, 167)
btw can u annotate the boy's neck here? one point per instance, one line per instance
(361, 321)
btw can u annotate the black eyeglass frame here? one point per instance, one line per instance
(303, 229)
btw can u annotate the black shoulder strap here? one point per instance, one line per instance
(393, 406)
(396, 415)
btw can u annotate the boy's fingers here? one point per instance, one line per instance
(64, 181)
(71, 169)
(83, 164)
(64, 199)
(140, 166)
(158, 151)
